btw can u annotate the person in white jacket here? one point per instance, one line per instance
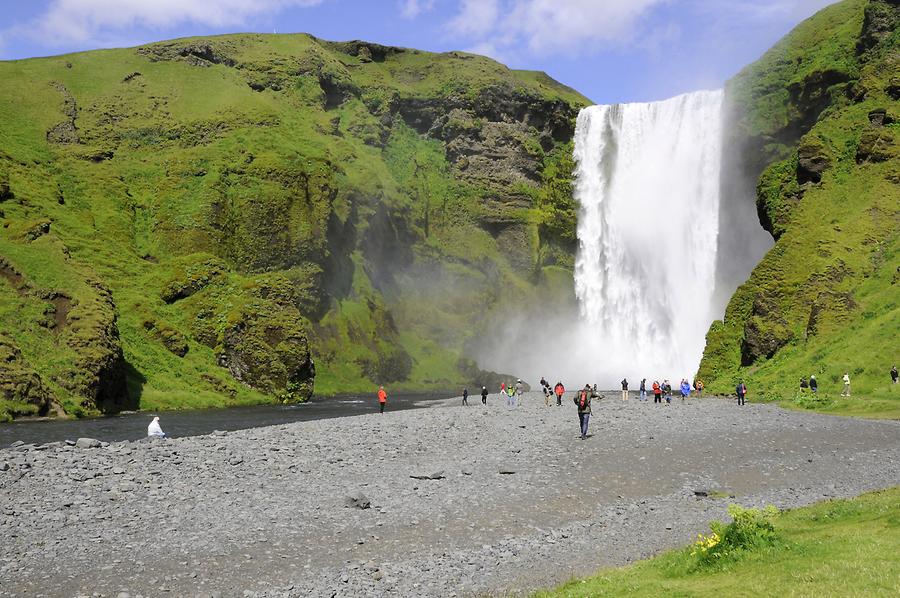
(154, 431)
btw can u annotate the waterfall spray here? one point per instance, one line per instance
(648, 190)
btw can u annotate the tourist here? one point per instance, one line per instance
(657, 392)
(503, 395)
(894, 375)
(466, 397)
(624, 389)
(544, 383)
(154, 431)
(560, 390)
(583, 402)
(547, 395)
(698, 386)
(804, 385)
(510, 396)
(846, 391)
(741, 390)
(520, 388)
(643, 389)
(813, 384)
(685, 389)
(382, 398)
(484, 394)
(667, 388)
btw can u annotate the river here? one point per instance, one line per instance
(131, 426)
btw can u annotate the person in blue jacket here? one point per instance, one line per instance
(685, 389)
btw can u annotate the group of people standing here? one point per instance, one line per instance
(664, 390)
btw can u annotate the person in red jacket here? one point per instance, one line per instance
(559, 389)
(657, 392)
(382, 398)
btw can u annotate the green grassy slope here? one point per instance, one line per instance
(820, 114)
(835, 548)
(242, 200)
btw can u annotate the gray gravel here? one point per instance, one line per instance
(450, 501)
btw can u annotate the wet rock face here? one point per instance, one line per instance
(765, 331)
(812, 161)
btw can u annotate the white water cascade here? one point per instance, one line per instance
(648, 190)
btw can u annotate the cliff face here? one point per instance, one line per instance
(817, 124)
(223, 218)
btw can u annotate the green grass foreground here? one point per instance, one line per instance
(834, 548)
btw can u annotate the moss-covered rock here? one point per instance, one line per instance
(21, 389)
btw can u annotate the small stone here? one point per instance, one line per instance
(507, 471)
(86, 443)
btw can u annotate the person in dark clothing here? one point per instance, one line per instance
(813, 384)
(894, 375)
(624, 389)
(643, 389)
(741, 390)
(484, 394)
(804, 385)
(544, 383)
(466, 397)
(583, 402)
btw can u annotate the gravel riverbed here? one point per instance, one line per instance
(448, 501)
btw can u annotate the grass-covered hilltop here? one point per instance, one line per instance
(216, 221)
(818, 124)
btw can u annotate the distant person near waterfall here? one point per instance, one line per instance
(813, 384)
(657, 392)
(583, 402)
(624, 389)
(466, 397)
(894, 375)
(698, 386)
(560, 390)
(510, 396)
(154, 430)
(667, 388)
(846, 379)
(382, 399)
(643, 389)
(484, 394)
(685, 389)
(741, 391)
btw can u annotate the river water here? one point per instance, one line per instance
(131, 426)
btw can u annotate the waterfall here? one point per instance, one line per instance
(647, 185)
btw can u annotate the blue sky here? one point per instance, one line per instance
(610, 50)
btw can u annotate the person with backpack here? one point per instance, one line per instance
(624, 389)
(894, 375)
(685, 389)
(643, 389)
(813, 384)
(583, 402)
(698, 386)
(560, 390)
(466, 397)
(484, 394)
(667, 388)
(510, 396)
(804, 385)
(741, 390)
(657, 392)
(547, 395)
(382, 398)
(846, 379)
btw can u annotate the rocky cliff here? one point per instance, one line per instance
(217, 221)
(817, 127)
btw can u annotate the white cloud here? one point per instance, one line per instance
(83, 20)
(476, 18)
(410, 9)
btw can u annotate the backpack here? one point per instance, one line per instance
(582, 401)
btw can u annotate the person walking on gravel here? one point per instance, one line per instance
(741, 390)
(382, 398)
(667, 388)
(510, 396)
(698, 386)
(657, 392)
(643, 389)
(583, 402)
(547, 395)
(846, 391)
(894, 375)
(560, 390)
(624, 389)
(484, 394)
(466, 397)
(685, 389)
